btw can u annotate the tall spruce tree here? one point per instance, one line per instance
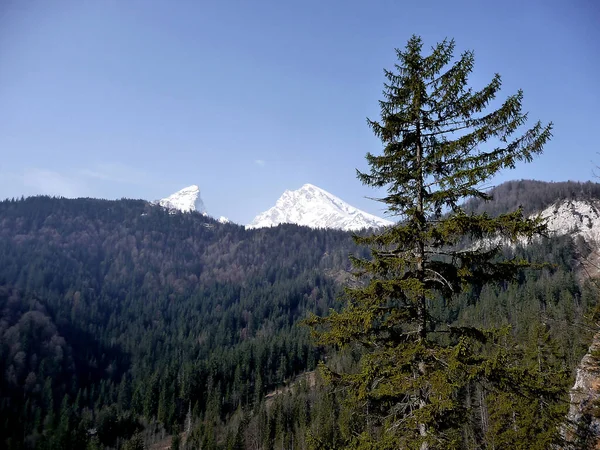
(417, 377)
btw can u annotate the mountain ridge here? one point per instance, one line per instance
(187, 199)
(154, 305)
(316, 208)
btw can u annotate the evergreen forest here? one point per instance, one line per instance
(125, 326)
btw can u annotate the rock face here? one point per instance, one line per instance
(581, 220)
(186, 200)
(575, 217)
(584, 394)
(316, 208)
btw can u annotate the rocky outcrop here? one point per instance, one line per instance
(583, 425)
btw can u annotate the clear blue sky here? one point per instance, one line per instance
(139, 98)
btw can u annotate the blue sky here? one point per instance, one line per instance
(132, 98)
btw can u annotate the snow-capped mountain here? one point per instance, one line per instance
(312, 206)
(186, 200)
(574, 217)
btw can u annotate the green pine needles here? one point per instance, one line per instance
(419, 382)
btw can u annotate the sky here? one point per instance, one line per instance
(140, 98)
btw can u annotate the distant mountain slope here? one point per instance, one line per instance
(533, 196)
(136, 314)
(133, 236)
(569, 207)
(316, 208)
(186, 200)
(141, 295)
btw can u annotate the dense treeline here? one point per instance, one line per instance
(128, 311)
(122, 324)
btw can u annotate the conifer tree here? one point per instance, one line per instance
(441, 144)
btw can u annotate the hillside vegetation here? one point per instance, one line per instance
(121, 323)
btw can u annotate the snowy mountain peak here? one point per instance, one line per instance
(186, 200)
(314, 207)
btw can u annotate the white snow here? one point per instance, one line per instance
(314, 207)
(186, 200)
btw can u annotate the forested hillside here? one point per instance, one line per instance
(123, 324)
(121, 310)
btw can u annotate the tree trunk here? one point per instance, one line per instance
(421, 301)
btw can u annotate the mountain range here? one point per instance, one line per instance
(124, 320)
(310, 206)
(316, 208)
